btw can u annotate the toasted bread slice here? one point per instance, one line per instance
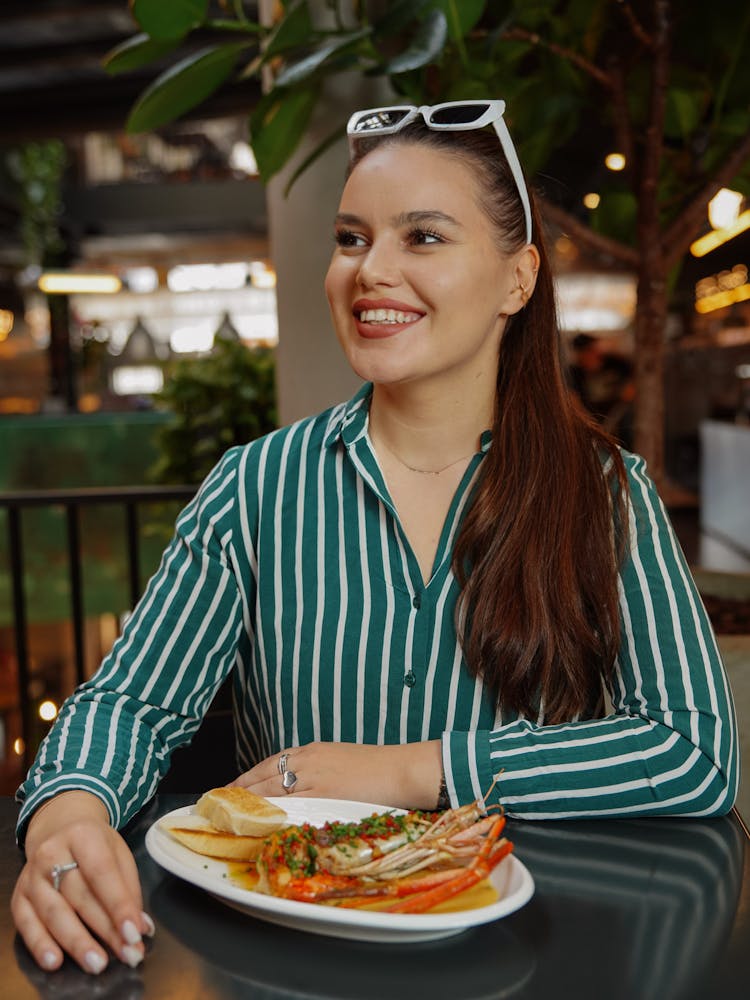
(217, 844)
(239, 811)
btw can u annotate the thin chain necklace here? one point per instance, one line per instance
(425, 472)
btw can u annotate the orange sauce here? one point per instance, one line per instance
(479, 895)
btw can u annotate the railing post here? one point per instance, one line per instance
(15, 548)
(134, 556)
(76, 588)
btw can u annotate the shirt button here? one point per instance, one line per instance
(410, 680)
(417, 602)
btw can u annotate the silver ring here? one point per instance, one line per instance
(289, 781)
(57, 872)
(281, 765)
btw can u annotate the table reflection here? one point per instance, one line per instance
(654, 901)
(636, 908)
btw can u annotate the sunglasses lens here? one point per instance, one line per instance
(383, 118)
(458, 114)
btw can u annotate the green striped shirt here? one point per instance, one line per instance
(290, 568)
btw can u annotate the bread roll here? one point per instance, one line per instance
(238, 811)
(217, 844)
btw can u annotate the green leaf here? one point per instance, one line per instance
(399, 16)
(294, 29)
(684, 110)
(322, 146)
(140, 50)
(276, 126)
(461, 15)
(428, 43)
(164, 19)
(183, 86)
(302, 70)
(616, 215)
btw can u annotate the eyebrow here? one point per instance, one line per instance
(404, 219)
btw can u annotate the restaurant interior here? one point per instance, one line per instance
(167, 241)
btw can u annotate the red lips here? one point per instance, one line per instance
(382, 329)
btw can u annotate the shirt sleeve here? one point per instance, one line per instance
(114, 736)
(669, 745)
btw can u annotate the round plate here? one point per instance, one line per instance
(510, 878)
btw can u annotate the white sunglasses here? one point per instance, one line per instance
(452, 116)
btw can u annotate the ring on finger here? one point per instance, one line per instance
(57, 872)
(288, 781)
(282, 765)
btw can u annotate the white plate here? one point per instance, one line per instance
(510, 878)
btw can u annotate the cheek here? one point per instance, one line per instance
(336, 284)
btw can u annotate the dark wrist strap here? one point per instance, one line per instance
(443, 799)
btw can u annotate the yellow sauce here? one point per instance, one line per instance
(481, 894)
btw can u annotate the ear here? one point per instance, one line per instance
(524, 266)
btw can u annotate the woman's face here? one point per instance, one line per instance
(417, 287)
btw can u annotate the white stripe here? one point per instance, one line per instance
(320, 598)
(260, 637)
(338, 656)
(387, 625)
(635, 784)
(653, 637)
(278, 586)
(299, 579)
(366, 613)
(434, 655)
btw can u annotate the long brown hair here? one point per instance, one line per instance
(538, 553)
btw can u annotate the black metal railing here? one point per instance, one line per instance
(129, 498)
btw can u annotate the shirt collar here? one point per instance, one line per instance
(349, 422)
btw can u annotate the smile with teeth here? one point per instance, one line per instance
(387, 316)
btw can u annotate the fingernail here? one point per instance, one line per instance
(94, 962)
(131, 956)
(150, 928)
(49, 960)
(131, 933)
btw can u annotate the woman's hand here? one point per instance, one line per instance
(405, 775)
(98, 902)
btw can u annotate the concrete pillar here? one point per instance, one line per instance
(312, 373)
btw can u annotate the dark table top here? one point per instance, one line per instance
(634, 909)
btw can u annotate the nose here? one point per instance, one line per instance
(379, 266)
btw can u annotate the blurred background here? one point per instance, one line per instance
(161, 281)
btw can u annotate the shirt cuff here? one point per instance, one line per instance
(467, 766)
(64, 783)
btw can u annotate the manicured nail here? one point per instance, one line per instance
(49, 960)
(150, 928)
(131, 956)
(131, 933)
(94, 962)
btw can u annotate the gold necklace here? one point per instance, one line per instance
(426, 472)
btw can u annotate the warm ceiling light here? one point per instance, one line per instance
(591, 200)
(68, 283)
(724, 208)
(716, 237)
(48, 711)
(6, 323)
(710, 303)
(614, 161)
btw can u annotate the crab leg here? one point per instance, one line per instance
(490, 855)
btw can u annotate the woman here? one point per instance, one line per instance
(433, 586)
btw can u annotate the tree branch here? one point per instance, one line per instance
(681, 232)
(621, 115)
(635, 25)
(523, 35)
(570, 225)
(648, 191)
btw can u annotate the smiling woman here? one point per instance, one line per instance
(453, 587)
